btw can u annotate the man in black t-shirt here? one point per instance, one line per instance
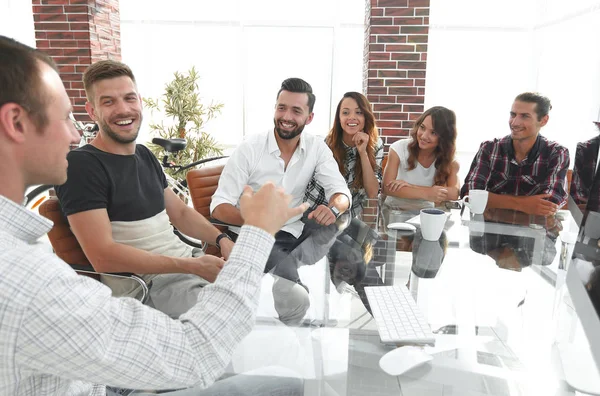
(119, 205)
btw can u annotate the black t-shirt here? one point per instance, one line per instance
(129, 187)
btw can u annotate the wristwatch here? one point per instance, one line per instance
(221, 236)
(335, 211)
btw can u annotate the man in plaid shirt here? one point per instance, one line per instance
(584, 171)
(522, 171)
(525, 172)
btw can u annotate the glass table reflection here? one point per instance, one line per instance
(481, 287)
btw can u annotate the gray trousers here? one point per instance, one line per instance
(288, 254)
(255, 383)
(175, 294)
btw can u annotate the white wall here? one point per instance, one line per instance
(567, 45)
(483, 53)
(16, 21)
(243, 50)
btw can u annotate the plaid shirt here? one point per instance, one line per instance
(584, 170)
(63, 334)
(543, 171)
(315, 193)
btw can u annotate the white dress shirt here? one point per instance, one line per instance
(258, 160)
(63, 334)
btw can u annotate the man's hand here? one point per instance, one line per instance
(322, 215)
(396, 185)
(538, 205)
(226, 247)
(437, 194)
(361, 141)
(268, 208)
(207, 267)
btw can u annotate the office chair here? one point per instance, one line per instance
(67, 247)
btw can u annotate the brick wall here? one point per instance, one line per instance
(394, 63)
(395, 58)
(76, 33)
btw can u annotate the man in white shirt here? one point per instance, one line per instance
(64, 334)
(288, 158)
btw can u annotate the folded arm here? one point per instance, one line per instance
(552, 194)
(403, 189)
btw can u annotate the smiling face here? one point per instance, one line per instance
(291, 114)
(117, 108)
(523, 121)
(426, 135)
(352, 118)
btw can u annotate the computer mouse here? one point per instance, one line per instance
(402, 226)
(402, 359)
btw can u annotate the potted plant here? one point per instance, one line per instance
(181, 102)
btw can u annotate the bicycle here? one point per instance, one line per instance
(172, 146)
(39, 194)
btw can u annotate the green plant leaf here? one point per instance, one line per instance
(181, 101)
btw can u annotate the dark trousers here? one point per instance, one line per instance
(290, 253)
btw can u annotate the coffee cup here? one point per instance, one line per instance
(476, 201)
(432, 223)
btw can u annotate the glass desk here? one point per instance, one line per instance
(484, 288)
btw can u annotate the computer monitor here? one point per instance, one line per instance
(581, 365)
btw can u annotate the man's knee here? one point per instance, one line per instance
(291, 301)
(175, 294)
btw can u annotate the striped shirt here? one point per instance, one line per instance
(315, 193)
(63, 334)
(542, 171)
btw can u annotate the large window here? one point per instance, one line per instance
(243, 50)
(16, 21)
(481, 56)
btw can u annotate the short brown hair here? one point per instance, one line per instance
(20, 78)
(103, 70)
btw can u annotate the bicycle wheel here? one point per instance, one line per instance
(37, 196)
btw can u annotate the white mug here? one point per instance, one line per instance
(432, 223)
(477, 201)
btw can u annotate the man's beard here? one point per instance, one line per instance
(288, 135)
(116, 137)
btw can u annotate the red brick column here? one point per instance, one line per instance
(395, 59)
(76, 33)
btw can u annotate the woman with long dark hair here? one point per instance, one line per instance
(358, 150)
(423, 166)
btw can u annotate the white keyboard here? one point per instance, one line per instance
(398, 318)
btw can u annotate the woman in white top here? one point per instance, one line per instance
(423, 166)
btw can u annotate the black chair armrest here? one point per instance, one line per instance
(89, 270)
(188, 241)
(221, 223)
(200, 244)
